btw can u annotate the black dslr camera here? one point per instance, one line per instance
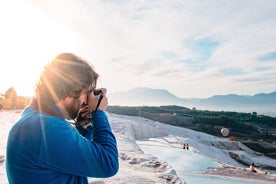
(81, 119)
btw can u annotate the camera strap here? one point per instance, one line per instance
(99, 101)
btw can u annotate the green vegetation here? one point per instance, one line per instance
(251, 129)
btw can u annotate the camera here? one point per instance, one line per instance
(97, 92)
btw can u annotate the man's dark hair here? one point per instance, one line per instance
(67, 75)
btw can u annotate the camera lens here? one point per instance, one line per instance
(97, 92)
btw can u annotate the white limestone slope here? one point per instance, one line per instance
(137, 166)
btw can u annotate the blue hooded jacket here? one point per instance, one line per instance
(48, 150)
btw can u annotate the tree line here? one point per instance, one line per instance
(10, 100)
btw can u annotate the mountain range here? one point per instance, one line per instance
(263, 103)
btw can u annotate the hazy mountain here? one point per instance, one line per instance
(143, 96)
(232, 99)
(262, 103)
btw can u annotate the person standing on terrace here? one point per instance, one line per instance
(44, 147)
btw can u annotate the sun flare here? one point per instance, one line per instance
(29, 39)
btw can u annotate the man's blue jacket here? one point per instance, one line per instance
(48, 150)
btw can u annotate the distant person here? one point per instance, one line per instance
(43, 147)
(184, 146)
(187, 146)
(252, 167)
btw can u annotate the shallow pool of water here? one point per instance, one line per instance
(188, 164)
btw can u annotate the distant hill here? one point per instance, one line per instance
(259, 99)
(144, 96)
(261, 103)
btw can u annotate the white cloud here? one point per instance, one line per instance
(153, 43)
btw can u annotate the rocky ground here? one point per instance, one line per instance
(260, 175)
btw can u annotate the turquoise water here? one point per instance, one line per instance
(188, 164)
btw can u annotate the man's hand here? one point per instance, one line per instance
(94, 99)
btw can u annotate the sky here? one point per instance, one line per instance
(191, 48)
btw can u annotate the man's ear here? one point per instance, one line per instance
(64, 102)
(67, 100)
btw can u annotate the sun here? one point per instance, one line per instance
(29, 39)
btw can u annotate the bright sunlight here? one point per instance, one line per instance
(29, 39)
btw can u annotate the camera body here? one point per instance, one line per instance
(84, 115)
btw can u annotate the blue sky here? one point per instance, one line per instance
(191, 48)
